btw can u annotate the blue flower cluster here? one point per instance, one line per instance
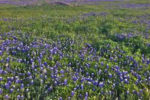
(32, 68)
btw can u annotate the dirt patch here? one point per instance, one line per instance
(61, 3)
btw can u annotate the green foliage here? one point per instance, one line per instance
(68, 25)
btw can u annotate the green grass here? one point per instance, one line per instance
(51, 22)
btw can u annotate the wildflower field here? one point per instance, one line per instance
(87, 50)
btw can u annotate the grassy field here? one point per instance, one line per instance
(98, 51)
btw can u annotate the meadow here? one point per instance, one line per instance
(92, 51)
